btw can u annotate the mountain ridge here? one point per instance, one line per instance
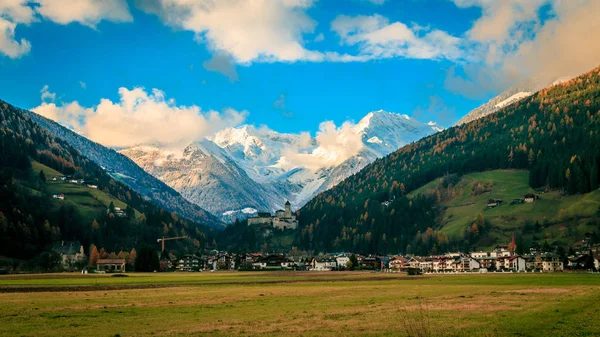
(255, 169)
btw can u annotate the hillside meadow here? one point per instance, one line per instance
(300, 303)
(562, 218)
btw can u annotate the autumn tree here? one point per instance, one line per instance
(94, 256)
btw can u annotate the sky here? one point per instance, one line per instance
(171, 71)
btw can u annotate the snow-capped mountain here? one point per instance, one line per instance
(524, 89)
(245, 169)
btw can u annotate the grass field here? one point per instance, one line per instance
(300, 303)
(89, 201)
(558, 210)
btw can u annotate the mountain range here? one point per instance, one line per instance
(245, 169)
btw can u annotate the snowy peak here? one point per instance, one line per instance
(244, 169)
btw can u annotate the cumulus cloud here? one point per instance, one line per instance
(334, 146)
(86, 12)
(377, 38)
(139, 117)
(515, 39)
(9, 45)
(249, 31)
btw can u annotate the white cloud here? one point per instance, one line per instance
(334, 146)
(47, 95)
(140, 117)
(377, 38)
(376, 2)
(83, 84)
(17, 11)
(86, 12)
(513, 39)
(249, 31)
(9, 46)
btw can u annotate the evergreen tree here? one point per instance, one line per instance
(147, 259)
(42, 176)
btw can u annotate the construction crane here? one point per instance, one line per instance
(163, 239)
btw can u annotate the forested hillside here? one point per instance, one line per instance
(31, 219)
(553, 134)
(125, 170)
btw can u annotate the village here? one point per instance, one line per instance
(503, 258)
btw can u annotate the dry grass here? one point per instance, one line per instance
(313, 305)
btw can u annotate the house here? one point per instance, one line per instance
(493, 203)
(342, 260)
(481, 255)
(111, 265)
(503, 251)
(398, 263)
(54, 179)
(324, 263)
(71, 252)
(597, 262)
(548, 262)
(92, 186)
(529, 198)
(370, 262)
(117, 211)
(515, 263)
(58, 196)
(283, 219)
(190, 263)
(274, 262)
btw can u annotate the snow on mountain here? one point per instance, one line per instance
(522, 90)
(242, 170)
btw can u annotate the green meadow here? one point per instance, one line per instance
(89, 201)
(557, 212)
(300, 303)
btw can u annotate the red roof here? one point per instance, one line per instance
(107, 261)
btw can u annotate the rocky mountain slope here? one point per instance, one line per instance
(246, 169)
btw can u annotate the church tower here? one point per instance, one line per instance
(288, 209)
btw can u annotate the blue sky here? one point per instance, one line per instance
(288, 64)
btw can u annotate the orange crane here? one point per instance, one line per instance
(167, 239)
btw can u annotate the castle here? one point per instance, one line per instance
(282, 219)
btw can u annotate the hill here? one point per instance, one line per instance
(555, 217)
(126, 171)
(552, 134)
(31, 219)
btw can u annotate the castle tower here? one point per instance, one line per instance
(288, 209)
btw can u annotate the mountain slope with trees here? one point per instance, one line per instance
(553, 134)
(31, 220)
(125, 170)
